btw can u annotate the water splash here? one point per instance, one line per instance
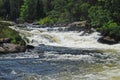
(55, 37)
(61, 55)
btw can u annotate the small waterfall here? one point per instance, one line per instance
(56, 36)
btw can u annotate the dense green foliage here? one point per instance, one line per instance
(32, 10)
(99, 13)
(6, 32)
(10, 9)
(98, 16)
(112, 29)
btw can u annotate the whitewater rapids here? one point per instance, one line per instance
(61, 37)
(60, 54)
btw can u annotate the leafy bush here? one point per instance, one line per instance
(46, 21)
(98, 16)
(112, 28)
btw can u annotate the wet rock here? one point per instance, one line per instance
(60, 24)
(21, 25)
(107, 40)
(5, 40)
(11, 48)
(19, 21)
(35, 23)
(79, 26)
(7, 23)
(30, 47)
(65, 50)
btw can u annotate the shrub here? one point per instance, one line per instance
(112, 28)
(98, 16)
(46, 21)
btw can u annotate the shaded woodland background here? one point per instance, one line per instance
(101, 14)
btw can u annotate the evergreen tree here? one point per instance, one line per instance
(4, 9)
(32, 10)
(15, 9)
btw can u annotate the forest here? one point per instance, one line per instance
(104, 15)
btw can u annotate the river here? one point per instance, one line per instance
(60, 54)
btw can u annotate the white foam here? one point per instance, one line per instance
(108, 74)
(50, 56)
(66, 39)
(19, 56)
(13, 72)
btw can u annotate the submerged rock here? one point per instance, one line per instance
(30, 47)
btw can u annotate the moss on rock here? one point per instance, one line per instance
(6, 32)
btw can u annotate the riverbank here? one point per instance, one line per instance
(18, 44)
(61, 54)
(10, 40)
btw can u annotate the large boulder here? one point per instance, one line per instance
(11, 48)
(10, 40)
(107, 40)
(80, 26)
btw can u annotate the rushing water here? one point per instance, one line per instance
(60, 54)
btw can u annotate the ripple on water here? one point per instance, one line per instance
(60, 60)
(60, 67)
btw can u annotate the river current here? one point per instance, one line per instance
(60, 54)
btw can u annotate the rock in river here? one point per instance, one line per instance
(107, 40)
(11, 48)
